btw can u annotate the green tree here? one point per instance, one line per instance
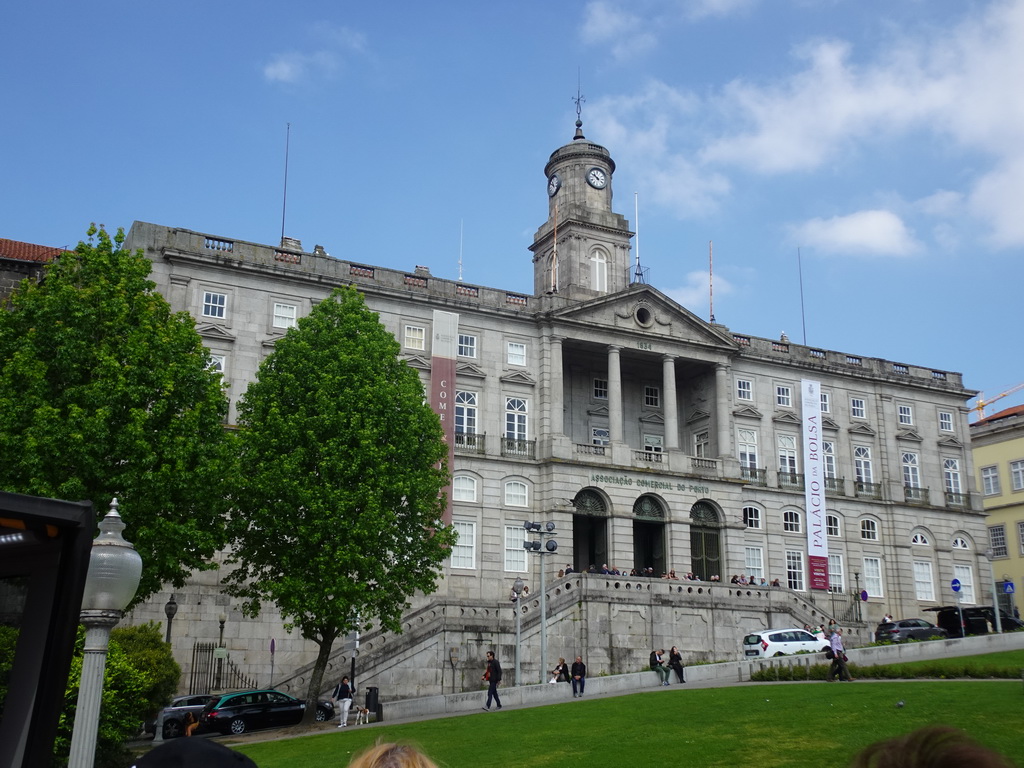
(104, 392)
(339, 510)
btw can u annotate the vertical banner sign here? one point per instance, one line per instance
(443, 352)
(814, 484)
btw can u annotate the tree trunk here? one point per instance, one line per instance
(316, 680)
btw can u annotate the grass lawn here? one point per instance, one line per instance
(769, 725)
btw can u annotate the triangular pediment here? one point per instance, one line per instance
(785, 417)
(470, 369)
(861, 429)
(698, 415)
(418, 362)
(747, 412)
(517, 377)
(950, 442)
(600, 411)
(213, 332)
(909, 434)
(827, 423)
(645, 311)
(652, 418)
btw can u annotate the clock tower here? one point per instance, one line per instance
(582, 250)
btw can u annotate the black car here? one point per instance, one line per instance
(175, 714)
(248, 710)
(977, 620)
(898, 630)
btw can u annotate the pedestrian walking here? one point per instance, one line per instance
(343, 696)
(579, 677)
(838, 658)
(492, 674)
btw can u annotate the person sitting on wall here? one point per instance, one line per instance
(735, 579)
(775, 583)
(568, 570)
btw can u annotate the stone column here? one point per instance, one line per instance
(556, 392)
(722, 385)
(668, 376)
(614, 396)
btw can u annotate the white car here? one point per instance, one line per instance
(781, 642)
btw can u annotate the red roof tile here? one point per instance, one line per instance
(1016, 410)
(12, 249)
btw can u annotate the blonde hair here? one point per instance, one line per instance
(392, 756)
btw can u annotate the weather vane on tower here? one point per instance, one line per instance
(580, 98)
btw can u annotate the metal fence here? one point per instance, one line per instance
(215, 674)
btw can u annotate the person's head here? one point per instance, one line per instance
(674, 649)
(490, 655)
(579, 658)
(344, 678)
(391, 756)
(936, 746)
(561, 660)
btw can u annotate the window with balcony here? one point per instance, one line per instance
(911, 470)
(465, 412)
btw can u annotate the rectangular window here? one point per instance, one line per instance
(966, 576)
(600, 435)
(515, 418)
(911, 470)
(828, 456)
(515, 555)
(654, 443)
(516, 353)
(873, 576)
(945, 421)
(415, 337)
(924, 584)
(795, 570)
(997, 540)
(826, 402)
(744, 389)
(701, 445)
(215, 305)
(285, 315)
(787, 454)
(753, 562)
(862, 463)
(218, 363)
(990, 481)
(836, 580)
(464, 550)
(1017, 475)
(467, 345)
(600, 389)
(652, 397)
(905, 414)
(1020, 536)
(465, 412)
(951, 475)
(783, 396)
(748, 448)
(858, 408)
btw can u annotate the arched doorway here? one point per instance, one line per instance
(705, 541)
(649, 534)
(589, 530)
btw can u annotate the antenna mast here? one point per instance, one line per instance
(638, 273)
(800, 269)
(284, 202)
(711, 278)
(460, 250)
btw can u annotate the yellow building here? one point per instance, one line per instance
(998, 447)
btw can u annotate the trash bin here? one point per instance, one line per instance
(372, 698)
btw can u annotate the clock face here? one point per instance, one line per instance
(597, 178)
(554, 184)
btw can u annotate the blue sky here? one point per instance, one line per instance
(883, 140)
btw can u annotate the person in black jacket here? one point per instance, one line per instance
(579, 677)
(343, 696)
(675, 662)
(492, 674)
(658, 665)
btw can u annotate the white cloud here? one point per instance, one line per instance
(699, 9)
(695, 292)
(996, 199)
(864, 233)
(941, 203)
(335, 44)
(624, 33)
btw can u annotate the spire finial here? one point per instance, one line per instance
(580, 98)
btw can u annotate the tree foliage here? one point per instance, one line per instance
(104, 392)
(339, 509)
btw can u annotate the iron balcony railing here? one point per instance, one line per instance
(867, 490)
(525, 449)
(469, 443)
(754, 476)
(791, 480)
(915, 495)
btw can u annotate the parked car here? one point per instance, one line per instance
(248, 710)
(174, 714)
(898, 630)
(780, 642)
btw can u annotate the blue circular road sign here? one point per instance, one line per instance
(955, 584)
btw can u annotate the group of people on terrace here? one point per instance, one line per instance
(753, 581)
(671, 575)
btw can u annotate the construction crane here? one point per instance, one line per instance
(982, 401)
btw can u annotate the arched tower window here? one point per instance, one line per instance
(599, 271)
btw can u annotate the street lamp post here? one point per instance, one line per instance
(220, 647)
(170, 609)
(115, 569)
(548, 548)
(517, 592)
(990, 555)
